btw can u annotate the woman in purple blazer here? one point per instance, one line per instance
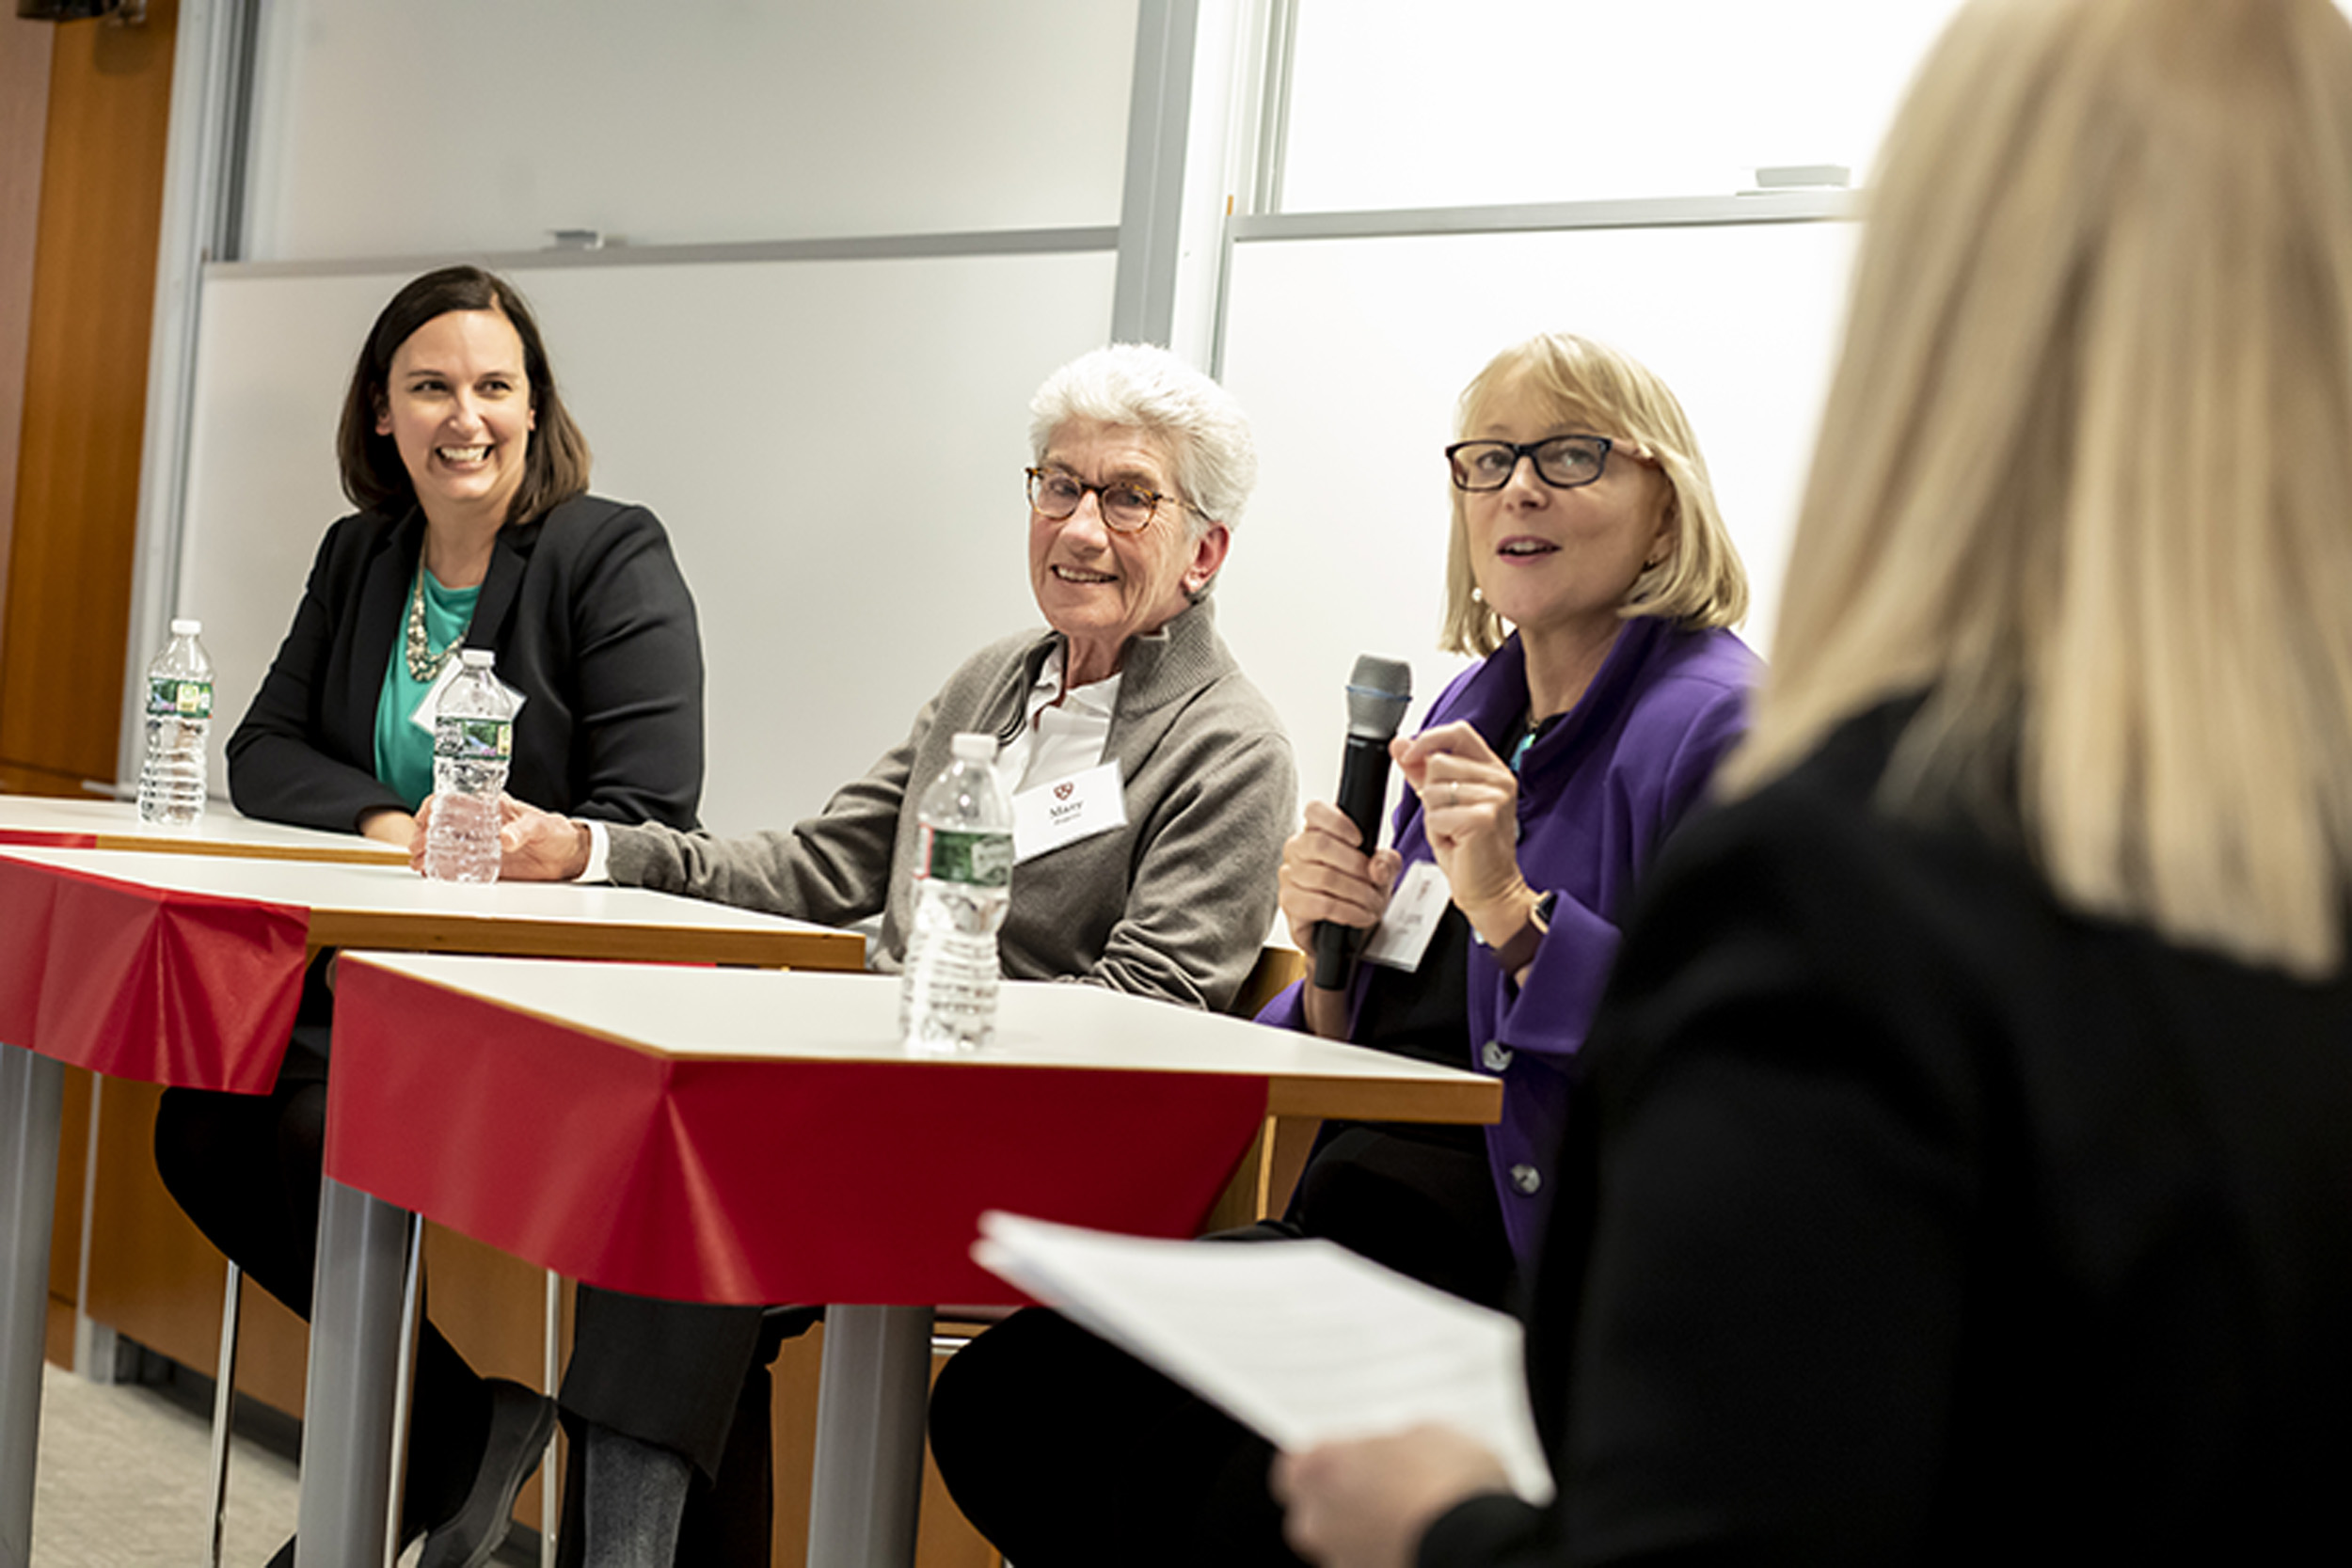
(1591, 573)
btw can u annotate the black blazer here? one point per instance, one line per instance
(590, 620)
(1934, 1222)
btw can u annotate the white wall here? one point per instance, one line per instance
(1587, 100)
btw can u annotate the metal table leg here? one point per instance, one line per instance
(404, 1380)
(224, 1407)
(31, 1098)
(347, 1426)
(871, 1395)
(550, 1370)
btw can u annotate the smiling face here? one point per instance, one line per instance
(458, 407)
(1558, 562)
(1100, 588)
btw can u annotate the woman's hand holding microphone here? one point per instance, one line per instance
(1470, 809)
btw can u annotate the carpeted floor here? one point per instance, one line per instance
(125, 1477)
(125, 1484)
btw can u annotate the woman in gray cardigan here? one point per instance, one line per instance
(1141, 466)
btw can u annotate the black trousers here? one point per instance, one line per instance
(693, 1379)
(1065, 1453)
(246, 1168)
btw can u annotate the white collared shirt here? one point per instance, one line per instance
(1065, 733)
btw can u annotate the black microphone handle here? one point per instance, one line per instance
(1363, 787)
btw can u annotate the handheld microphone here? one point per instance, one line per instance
(1379, 693)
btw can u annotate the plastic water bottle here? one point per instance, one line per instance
(179, 716)
(473, 739)
(962, 883)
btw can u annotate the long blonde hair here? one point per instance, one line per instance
(2086, 469)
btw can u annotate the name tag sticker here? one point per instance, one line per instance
(1415, 904)
(1067, 810)
(430, 707)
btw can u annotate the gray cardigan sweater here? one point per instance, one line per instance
(1176, 903)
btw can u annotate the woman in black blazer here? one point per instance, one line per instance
(475, 530)
(1970, 1097)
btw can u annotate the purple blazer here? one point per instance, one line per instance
(1598, 794)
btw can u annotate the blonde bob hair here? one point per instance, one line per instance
(1592, 390)
(2084, 473)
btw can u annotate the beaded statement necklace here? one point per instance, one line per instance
(423, 663)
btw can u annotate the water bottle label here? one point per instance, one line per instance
(470, 739)
(169, 697)
(973, 859)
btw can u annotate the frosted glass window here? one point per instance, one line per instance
(431, 126)
(1403, 103)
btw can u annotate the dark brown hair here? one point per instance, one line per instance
(555, 465)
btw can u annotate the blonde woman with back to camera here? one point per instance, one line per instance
(1970, 1096)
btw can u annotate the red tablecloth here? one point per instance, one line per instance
(139, 982)
(46, 838)
(752, 1180)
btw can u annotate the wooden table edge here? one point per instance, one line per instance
(507, 936)
(1305, 1095)
(132, 844)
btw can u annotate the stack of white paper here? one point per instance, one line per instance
(1302, 1342)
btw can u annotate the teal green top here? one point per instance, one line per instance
(404, 753)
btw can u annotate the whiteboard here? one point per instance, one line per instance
(1349, 355)
(726, 396)
(431, 126)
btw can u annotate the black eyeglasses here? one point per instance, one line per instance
(1055, 495)
(1562, 461)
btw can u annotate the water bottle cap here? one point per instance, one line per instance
(968, 747)
(186, 628)
(478, 658)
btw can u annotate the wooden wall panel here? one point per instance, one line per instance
(944, 1538)
(24, 49)
(792, 1430)
(36, 780)
(76, 517)
(57, 1335)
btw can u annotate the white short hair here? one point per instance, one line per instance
(1141, 386)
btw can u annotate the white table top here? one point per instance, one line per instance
(782, 1147)
(753, 1015)
(116, 825)
(392, 906)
